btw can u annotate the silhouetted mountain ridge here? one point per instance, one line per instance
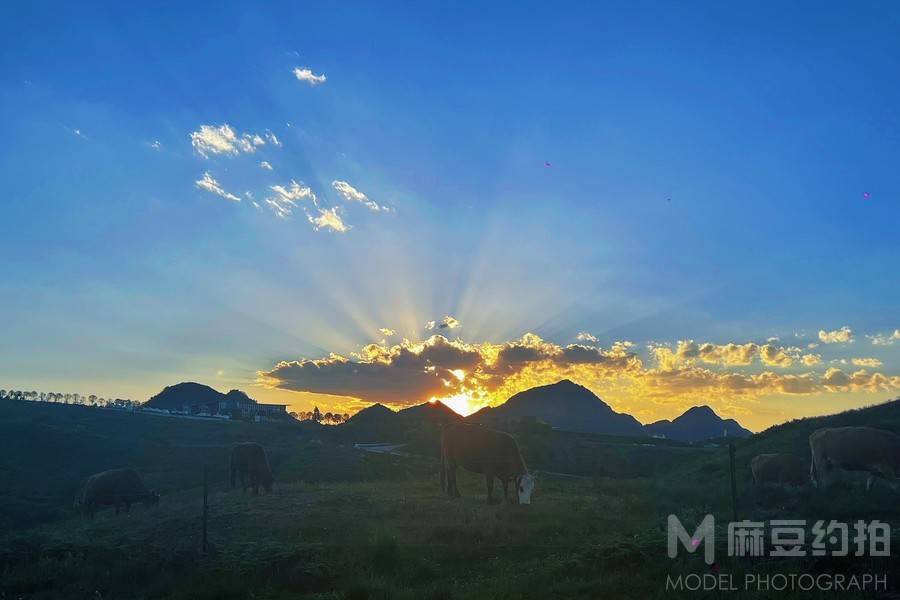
(697, 423)
(564, 405)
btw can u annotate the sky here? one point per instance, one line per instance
(336, 204)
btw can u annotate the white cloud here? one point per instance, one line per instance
(274, 140)
(328, 219)
(885, 340)
(223, 139)
(285, 199)
(584, 336)
(155, 144)
(264, 164)
(447, 322)
(843, 335)
(305, 74)
(354, 195)
(209, 184)
(386, 331)
(866, 362)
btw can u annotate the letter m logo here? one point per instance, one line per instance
(705, 534)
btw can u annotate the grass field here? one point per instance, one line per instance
(345, 524)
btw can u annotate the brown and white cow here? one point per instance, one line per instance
(875, 451)
(482, 450)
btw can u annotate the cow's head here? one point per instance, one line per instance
(525, 485)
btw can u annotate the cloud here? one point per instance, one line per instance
(387, 332)
(264, 164)
(209, 184)
(843, 335)
(155, 144)
(885, 340)
(352, 194)
(328, 218)
(210, 139)
(447, 322)
(305, 74)
(488, 373)
(586, 337)
(866, 362)
(272, 139)
(811, 360)
(284, 199)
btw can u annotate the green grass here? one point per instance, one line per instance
(344, 524)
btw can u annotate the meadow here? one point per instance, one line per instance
(343, 524)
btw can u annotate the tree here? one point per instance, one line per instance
(92, 399)
(317, 415)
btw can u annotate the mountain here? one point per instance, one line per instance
(176, 397)
(564, 405)
(435, 412)
(697, 423)
(377, 414)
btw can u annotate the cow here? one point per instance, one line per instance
(116, 487)
(867, 449)
(482, 450)
(778, 468)
(248, 460)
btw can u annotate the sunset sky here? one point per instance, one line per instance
(346, 203)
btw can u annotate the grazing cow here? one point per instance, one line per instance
(249, 460)
(481, 450)
(778, 468)
(116, 487)
(874, 451)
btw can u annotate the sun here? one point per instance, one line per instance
(460, 403)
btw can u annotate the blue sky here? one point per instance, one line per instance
(718, 173)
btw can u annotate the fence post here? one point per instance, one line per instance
(205, 504)
(734, 509)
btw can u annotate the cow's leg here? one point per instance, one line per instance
(505, 489)
(254, 481)
(869, 481)
(243, 483)
(489, 480)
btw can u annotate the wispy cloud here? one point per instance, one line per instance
(155, 144)
(272, 139)
(352, 194)
(328, 218)
(885, 340)
(843, 335)
(866, 362)
(209, 184)
(306, 74)
(264, 164)
(584, 336)
(284, 199)
(210, 139)
(387, 331)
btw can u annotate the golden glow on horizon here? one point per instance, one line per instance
(460, 403)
